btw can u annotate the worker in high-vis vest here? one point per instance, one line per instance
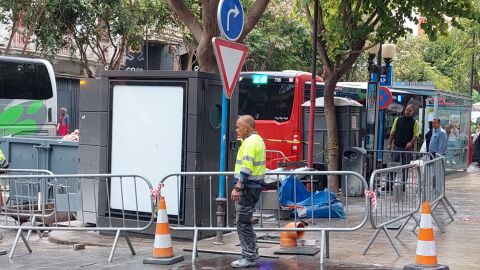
(249, 177)
(3, 161)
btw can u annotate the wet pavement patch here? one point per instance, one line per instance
(221, 263)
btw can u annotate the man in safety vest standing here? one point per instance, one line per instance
(249, 176)
(403, 136)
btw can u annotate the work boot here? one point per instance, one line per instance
(243, 262)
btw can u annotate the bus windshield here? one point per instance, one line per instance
(272, 101)
(28, 97)
(24, 81)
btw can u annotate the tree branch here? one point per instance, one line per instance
(109, 35)
(352, 57)
(209, 20)
(252, 18)
(369, 20)
(309, 16)
(357, 7)
(322, 46)
(187, 16)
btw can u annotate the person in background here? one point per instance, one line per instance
(403, 135)
(249, 177)
(438, 143)
(476, 146)
(453, 133)
(63, 125)
(428, 136)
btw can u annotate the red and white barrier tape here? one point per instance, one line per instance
(373, 198)
(156, 191)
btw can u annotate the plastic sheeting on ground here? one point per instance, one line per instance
(303, 201)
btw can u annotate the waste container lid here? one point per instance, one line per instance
(339, 102)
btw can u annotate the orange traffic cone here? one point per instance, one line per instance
(162, 247)
(426, 257)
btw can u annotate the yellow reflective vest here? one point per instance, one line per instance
(251, 159)
(3, 161)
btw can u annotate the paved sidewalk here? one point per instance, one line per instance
(458, 247)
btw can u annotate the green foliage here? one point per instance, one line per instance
(411, 65)
(279, 42)
(346, 25)
(475, 97)
(446, 61)
(88, 26)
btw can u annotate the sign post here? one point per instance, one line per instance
(230, 58)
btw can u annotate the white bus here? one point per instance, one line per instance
(28, 97)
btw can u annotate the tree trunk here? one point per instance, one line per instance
(205, 56)
(12, 34)
(476, 86)
(31, 28)
(332, 147)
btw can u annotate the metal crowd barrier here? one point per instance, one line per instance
(73, 198)
(26, 191)
(434, 187)
(355, 218)
(401, 190)
(398, 196)
(387, 158)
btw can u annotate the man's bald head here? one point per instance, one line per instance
(248, 120)
(245, 125)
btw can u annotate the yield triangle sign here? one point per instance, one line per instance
(230, 58)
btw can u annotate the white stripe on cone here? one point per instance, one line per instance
(162, 216)
(426, 221)
(163, 241)
(426, 248)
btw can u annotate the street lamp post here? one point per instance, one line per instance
(378, 76)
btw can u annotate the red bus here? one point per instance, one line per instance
(275, 100)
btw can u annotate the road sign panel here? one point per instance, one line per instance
(385, 97)
(230, 18)
(230, 58)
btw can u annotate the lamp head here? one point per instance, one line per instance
(389, 51)
(373, 50)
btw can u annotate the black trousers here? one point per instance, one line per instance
(244, 213)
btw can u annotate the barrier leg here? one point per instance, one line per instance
(374, 236)
(34, 224)
(15, 242)
(114, 246)
(403, 226)
(129, 243)
(391, 241)
(327, 243)
(322, 247)
(194, 249)
(434, 206)
(416, 221)
(449, 204)
(437, 222)
(447, 210)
